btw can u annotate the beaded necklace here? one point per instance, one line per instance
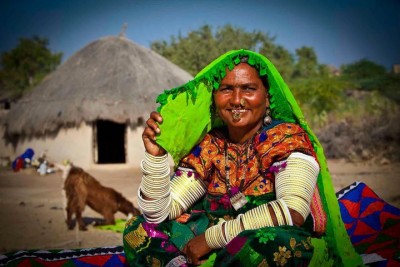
(237, 199)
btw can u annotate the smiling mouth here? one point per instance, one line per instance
(237, 113)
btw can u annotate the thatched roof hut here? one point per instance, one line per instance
(89, 109)
(110, 79)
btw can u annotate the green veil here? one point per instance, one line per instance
(188, 117)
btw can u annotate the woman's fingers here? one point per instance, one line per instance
(153, 125)
(150, 133)
(155, 119)
(156, 116)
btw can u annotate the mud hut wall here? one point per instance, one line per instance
(135, 147)
(6, 149)
(74, 144)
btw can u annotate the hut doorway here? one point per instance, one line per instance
(109, 141)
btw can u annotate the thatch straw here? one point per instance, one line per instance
(110, 79)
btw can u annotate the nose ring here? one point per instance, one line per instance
(242, 102)
(236, 115)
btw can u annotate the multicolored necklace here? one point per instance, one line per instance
(237, 199)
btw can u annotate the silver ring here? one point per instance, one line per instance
(189, 260)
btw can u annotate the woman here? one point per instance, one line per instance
(246, 178)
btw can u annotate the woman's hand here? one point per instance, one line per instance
(196, 249)
(149, 135)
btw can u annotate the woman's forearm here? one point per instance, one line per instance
(294, 188)
(159, 197)
(154, 193)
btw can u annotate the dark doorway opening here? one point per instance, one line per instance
(110, 140)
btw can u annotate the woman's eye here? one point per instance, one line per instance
(225, 89)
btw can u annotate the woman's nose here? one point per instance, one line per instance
(236, 96)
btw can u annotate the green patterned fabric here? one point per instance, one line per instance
(188, 117)
(148, 244)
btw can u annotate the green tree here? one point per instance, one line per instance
(201, 46)
(362, 69)
(322, 93)
(280, 57)
(307, 63)
(26, 65)
(367, 75)
(391, 87)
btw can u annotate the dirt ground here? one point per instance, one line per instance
(32, 206)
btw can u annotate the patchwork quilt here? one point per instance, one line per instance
(372, 224)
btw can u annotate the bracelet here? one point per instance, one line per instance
(153, 164)
(268, 216)
(278, 213)
(295, 184)
(256, 218)
(187, 190)
(158, 217)
(298, 204)
(214, 237)
(286, 212)
(175, 211)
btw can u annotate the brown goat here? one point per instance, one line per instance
(82, 189)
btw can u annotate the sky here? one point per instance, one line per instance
(340, 31)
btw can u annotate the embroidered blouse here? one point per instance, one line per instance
(269, 145)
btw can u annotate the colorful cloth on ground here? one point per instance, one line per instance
(20, 161)
(372, 224)
(181, 131)
(117, 227)
(93, 257)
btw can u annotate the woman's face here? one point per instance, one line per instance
(243, 92)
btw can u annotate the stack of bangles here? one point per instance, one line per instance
(294, 189)
(185, 191)
(295, 184)
(221, 234)
(155, 185)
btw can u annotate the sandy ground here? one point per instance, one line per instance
(32, 214)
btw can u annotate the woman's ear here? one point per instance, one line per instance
(267, 101)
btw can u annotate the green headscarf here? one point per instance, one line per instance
(188, 117)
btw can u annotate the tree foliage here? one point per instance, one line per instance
(363, 69)
(202, 46)
(307, 63)
(370, 76)
(26, 65)
(280, 57)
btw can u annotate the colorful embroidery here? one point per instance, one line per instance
(136, 238)
(270, 145)
(281, 257)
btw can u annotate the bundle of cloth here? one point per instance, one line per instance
(372, 224)
(23, 160)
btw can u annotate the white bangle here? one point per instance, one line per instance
(286, 212)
